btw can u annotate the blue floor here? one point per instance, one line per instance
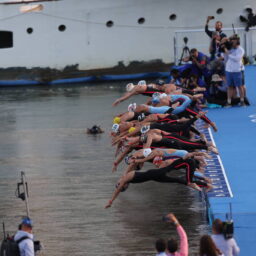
(236, 142)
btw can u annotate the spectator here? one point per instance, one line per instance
(25, 238)
(208, 248)
(172, 244)
(160, 246)
(227, 246)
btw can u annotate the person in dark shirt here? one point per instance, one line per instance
(216, 36)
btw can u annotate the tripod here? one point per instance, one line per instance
(185, 50)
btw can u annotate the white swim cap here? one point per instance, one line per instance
(142, 82)
(115, 128)
(162, 95)
(145, 129)
(146, 152)
(129, 87)
(132, 107)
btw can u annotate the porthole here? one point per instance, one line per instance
(173, 16)
(141, 20)
(29, 30)
(219, 11)
(62, 28)
(109, 23)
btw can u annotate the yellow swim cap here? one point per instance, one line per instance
(132, 129)
(116, 120)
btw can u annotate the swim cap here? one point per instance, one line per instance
(145, 129)
(142, 82)
(157, 160)
(116, 120)
(143, 138)
(115, 128)
(162, 95)
(141, 117)
(132, 129)
(156, 95)
(155, 98)
(160, 82)
(129, 87)
(127, 159)
(132, 107)
(146, 152)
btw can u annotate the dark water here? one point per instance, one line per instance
(42, 132)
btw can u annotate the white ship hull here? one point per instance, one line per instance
(88, 44)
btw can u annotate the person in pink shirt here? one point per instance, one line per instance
(172, 244)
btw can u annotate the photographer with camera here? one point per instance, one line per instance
(24, 238)
(233, 68)
(228, 246)
(199, 64)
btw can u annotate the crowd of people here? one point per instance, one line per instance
(220, 72)
(162, 130)
(216, 244)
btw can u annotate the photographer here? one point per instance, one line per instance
(227, 246)
(24, 238)
(233, 68)
(199, 63)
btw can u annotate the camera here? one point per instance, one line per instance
(228, 229)
(226, 44)
(211, 17)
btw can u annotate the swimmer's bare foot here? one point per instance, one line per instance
(194, 186)
(214, 126)
(214, 150)
(208, 180)
(209, 187)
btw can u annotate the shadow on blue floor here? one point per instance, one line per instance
(236, 142)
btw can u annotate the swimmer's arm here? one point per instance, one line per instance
(125, 97)
(125, 179)
(129, 168)
(149, 157)
(120, 158)
(148, 142)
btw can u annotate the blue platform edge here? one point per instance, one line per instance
(24, 82)
(236, 142)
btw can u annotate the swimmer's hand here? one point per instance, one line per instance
(108, 205)
(114, 167)
(116, 102)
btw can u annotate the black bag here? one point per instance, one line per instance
(9, 247)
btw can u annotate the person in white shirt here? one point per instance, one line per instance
(229, 246)
(25, 236)
(233, 68)
(160, 246)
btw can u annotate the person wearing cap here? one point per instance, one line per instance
(26, 246)
(233, 69)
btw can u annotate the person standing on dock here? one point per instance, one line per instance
(229, 246)
(24, 238)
